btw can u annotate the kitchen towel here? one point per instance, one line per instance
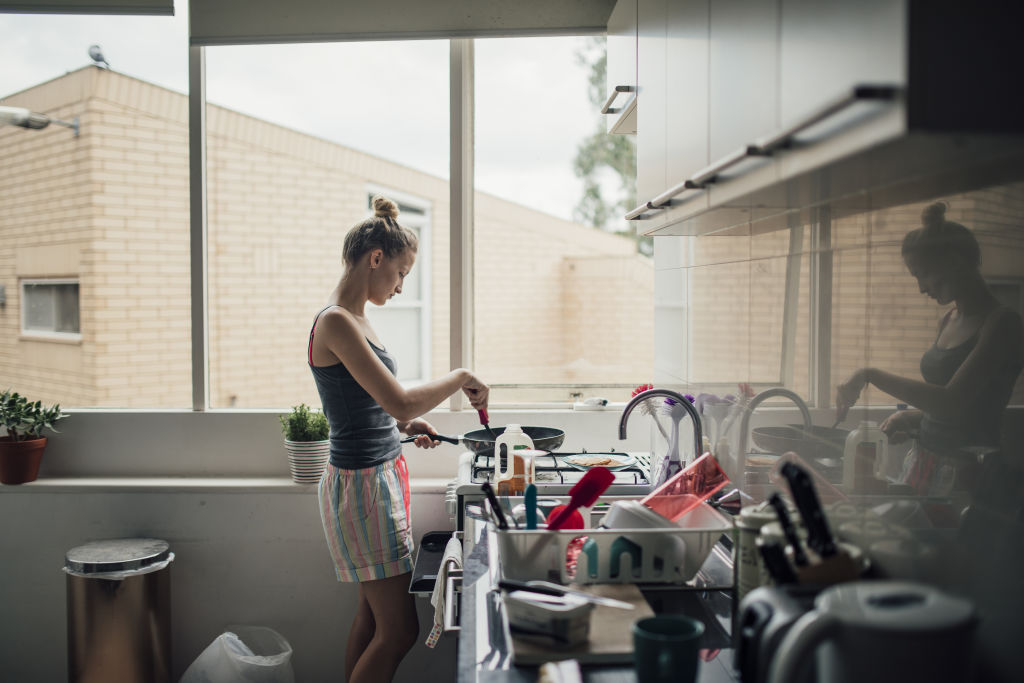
(452, 559)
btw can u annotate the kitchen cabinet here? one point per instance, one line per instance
(743, 93)
(807, 102)
(621, 105)
(651, 88)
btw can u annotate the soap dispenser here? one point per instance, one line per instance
(510, 469)
(866, 446)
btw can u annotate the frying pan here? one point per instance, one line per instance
(813, 442)
(480, 441)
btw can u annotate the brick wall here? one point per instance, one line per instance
(279, 204)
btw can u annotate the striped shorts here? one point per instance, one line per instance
(365, 514)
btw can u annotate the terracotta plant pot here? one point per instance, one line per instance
(19, 460)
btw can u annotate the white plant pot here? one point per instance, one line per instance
(307, 459)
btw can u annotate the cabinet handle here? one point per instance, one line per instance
(858, 93)
(764, 146)
(607, 108)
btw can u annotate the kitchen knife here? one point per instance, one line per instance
(799, 557)
(530, 501)
(546, 588)
(819, 538)
(495, 505)
(775, 562)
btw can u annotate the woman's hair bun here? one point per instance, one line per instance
(384, 207)
(934, 214)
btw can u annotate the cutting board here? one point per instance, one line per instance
(611, 631)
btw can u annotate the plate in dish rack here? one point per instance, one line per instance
(613, 461)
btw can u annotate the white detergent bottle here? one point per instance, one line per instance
(506, 468)
(865, 447)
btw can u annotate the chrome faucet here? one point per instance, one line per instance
(760, 398)
(698, 437)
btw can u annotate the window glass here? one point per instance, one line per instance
(50, 308)
(298, 138)
(94, 222)
(563, 294)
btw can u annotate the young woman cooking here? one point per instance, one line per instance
(364, 491)
(968, 373)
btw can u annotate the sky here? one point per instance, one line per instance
(388, 99)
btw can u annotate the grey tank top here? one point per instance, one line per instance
(362, 433)
(978, 423)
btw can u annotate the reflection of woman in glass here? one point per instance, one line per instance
(969, 371)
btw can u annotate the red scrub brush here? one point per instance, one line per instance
(584, 494)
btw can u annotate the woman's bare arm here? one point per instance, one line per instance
(999, 340)
(342, 335)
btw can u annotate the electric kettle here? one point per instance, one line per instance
(883, 632)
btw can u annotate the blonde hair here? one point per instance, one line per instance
(382, 231)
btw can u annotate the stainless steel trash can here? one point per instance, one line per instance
(119, 611)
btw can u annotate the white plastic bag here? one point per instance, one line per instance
(246, 654)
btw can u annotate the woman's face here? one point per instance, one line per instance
(933, 280)
(388, 275)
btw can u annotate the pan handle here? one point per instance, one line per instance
(435, 437)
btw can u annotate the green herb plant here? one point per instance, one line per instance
(305, 424)
(24, 419)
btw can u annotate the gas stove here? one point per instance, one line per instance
(553, 478)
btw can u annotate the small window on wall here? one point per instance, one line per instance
(50, 309)
(404, 323)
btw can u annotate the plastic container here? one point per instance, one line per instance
(687, 489)
(509, 469)
(671, 554)
(864, 459)
(564, 619)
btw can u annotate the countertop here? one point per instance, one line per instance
(480, 662)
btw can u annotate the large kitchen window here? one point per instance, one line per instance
(298, 139)
(94, 222)
(562, 298)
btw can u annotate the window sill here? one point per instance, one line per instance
(421, 485)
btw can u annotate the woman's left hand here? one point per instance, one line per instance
(423, 430)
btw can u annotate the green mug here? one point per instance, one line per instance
(665, 648)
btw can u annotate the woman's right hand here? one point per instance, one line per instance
(476, 391)
(901, 425)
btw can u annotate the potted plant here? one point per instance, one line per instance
(306, 435)
(21, 450)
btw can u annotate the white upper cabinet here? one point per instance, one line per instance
(651, 92)
(621, 104)
(827, 47)
(743, 73)
(754, 108)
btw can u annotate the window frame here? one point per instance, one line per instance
(50, 335)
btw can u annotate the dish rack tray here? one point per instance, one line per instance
(595, 555)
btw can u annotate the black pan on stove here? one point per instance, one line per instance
(480, 441)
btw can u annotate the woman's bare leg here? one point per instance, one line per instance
(396, 628)
(359, 634)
